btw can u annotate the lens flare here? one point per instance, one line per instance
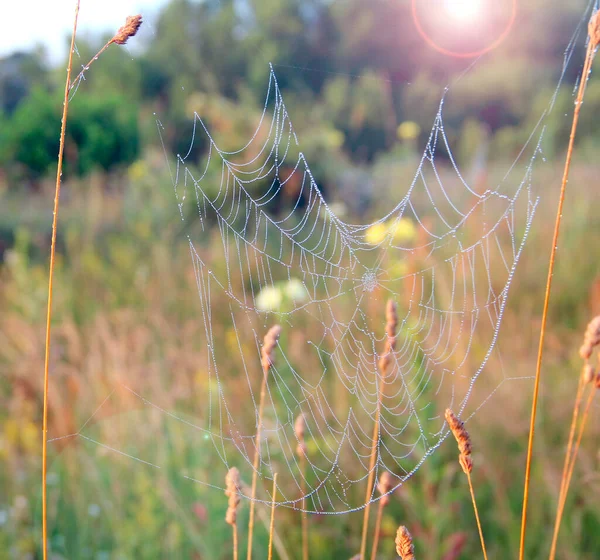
(463, 10)
(468, 12)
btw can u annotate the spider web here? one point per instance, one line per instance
(446, 254)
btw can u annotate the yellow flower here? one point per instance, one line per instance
(403, 230)
(137, 170)
(376, 233)
(409, 130)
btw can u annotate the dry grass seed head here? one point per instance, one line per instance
(131, 27)
(591, 338)
(404, 544)
(269, 344)
(299, 427)
(391, 324)
(588, 374)
(232, 491)
(463, 439)
(384, 486)
(594, 29)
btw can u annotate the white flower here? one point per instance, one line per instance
(296, 290)
(270, 298)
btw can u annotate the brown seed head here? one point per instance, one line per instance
(299, 427)
(391, 324)
(591, 338)
(463, 439)
(588, 374)
(232, 491)
(132, 24)
(269, 344)
(384, 486)
(594, 29)
(404, 544)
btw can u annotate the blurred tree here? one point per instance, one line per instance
(19, 73)
(102, 132)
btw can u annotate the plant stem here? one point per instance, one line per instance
(61, 150)
(477, 515)
(235, 542)
(578, 102)
(568, 453)
(256, 463)
(377, 530)
(304, 514)
(571, 466)
(272, 526)
(87, 66)
(375, 440)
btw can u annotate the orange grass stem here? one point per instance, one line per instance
(578, 102)
(571, 466)
(272, 525)
(304, 514)
(256, 463)
(476, 515)
(568, 453)
(370, 482)
(377, 529)
(61, 150)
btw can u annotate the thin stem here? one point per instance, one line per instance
(256, 463)
(272, 526)
(578, 102)
(571, 468)
(564, 477)
(304, 514)
(61, 150)
(87, 66)
(235, 542)
(377, 529)
(370, 482)
(477, 515)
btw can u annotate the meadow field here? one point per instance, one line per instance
(136, 459)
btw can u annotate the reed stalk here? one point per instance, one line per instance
(570, 464)
(593, 42)
(61, 150)
(272, 525)
(130, 28)
(384, 486)
(384, 365)
(299, 429)
(464, 446)
(267, 350)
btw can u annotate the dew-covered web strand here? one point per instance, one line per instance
(458, 286)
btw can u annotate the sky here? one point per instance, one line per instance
(25, 23)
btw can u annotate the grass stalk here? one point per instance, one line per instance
(377, 533)
(478, 521)
(384, 486)
(568, 454)
(272, 525)
(269, 344)
(384, 366)
(371, 480)
(304, 514)
(463, 439)
(593, 40)
(61, 150)
(571, 467)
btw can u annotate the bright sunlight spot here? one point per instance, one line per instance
(463, 10)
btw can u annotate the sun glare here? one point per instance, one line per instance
(463, 10)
